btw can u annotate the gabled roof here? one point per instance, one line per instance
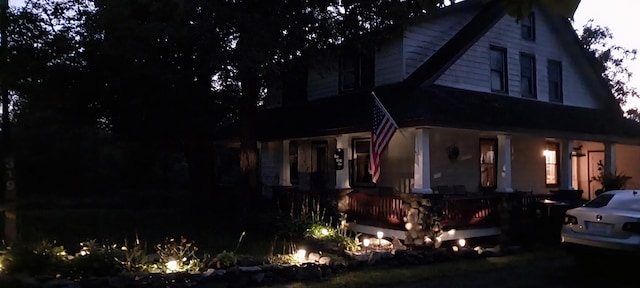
(456, 46)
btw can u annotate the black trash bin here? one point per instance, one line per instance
(550, 217)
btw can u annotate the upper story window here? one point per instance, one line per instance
(350, 72)
(528, 27)
(498, 62)
(527, 75)
(554, 71)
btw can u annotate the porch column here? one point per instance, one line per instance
(285, 179)
(610, 157)
(566, 167)
(422, 165)
(504, 164)
(342, 176)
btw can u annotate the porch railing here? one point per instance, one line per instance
(458, 211)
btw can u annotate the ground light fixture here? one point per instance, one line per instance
(301, 255)
(462, 242)
(172, 266)
(380, 234)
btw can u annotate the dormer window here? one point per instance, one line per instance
(350, 72)
(528, 27)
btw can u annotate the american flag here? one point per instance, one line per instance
(383, 129)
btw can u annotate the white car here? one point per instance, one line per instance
(610, 222)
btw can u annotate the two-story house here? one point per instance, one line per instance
(483, 103)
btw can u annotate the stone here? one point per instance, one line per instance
(249, 269)
(313, 257)
(324, 260)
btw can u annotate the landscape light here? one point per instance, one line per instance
(462, 242)
(301, 255)
(172, 265)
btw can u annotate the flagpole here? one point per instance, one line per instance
(375, 98)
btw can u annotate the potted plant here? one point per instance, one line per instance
(609, 180)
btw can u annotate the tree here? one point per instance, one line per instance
(611, 59)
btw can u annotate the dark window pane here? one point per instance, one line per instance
(527, 75)
(496, 81)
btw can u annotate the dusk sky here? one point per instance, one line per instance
(619, 15)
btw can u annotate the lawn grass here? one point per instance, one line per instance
(391, 276)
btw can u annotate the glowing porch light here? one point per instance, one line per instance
(172, 266)
(462, 242)
(301, 255)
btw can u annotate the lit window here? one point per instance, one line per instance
(550, 154)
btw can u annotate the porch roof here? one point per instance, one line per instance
(440, 106)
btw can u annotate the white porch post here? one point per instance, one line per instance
(566, 165)
(342, 176)
(285, 179)
(422, 165)
(610, 157)
(504, 164)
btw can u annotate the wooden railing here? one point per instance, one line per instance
(382, 211)
(458, 211)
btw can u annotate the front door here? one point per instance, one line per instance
(319, 165)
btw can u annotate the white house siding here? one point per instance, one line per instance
(471, 71)
(397, 162)
(463, 171)
(527, 164)
(423, 39)
(323, 80)
(388, 59)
